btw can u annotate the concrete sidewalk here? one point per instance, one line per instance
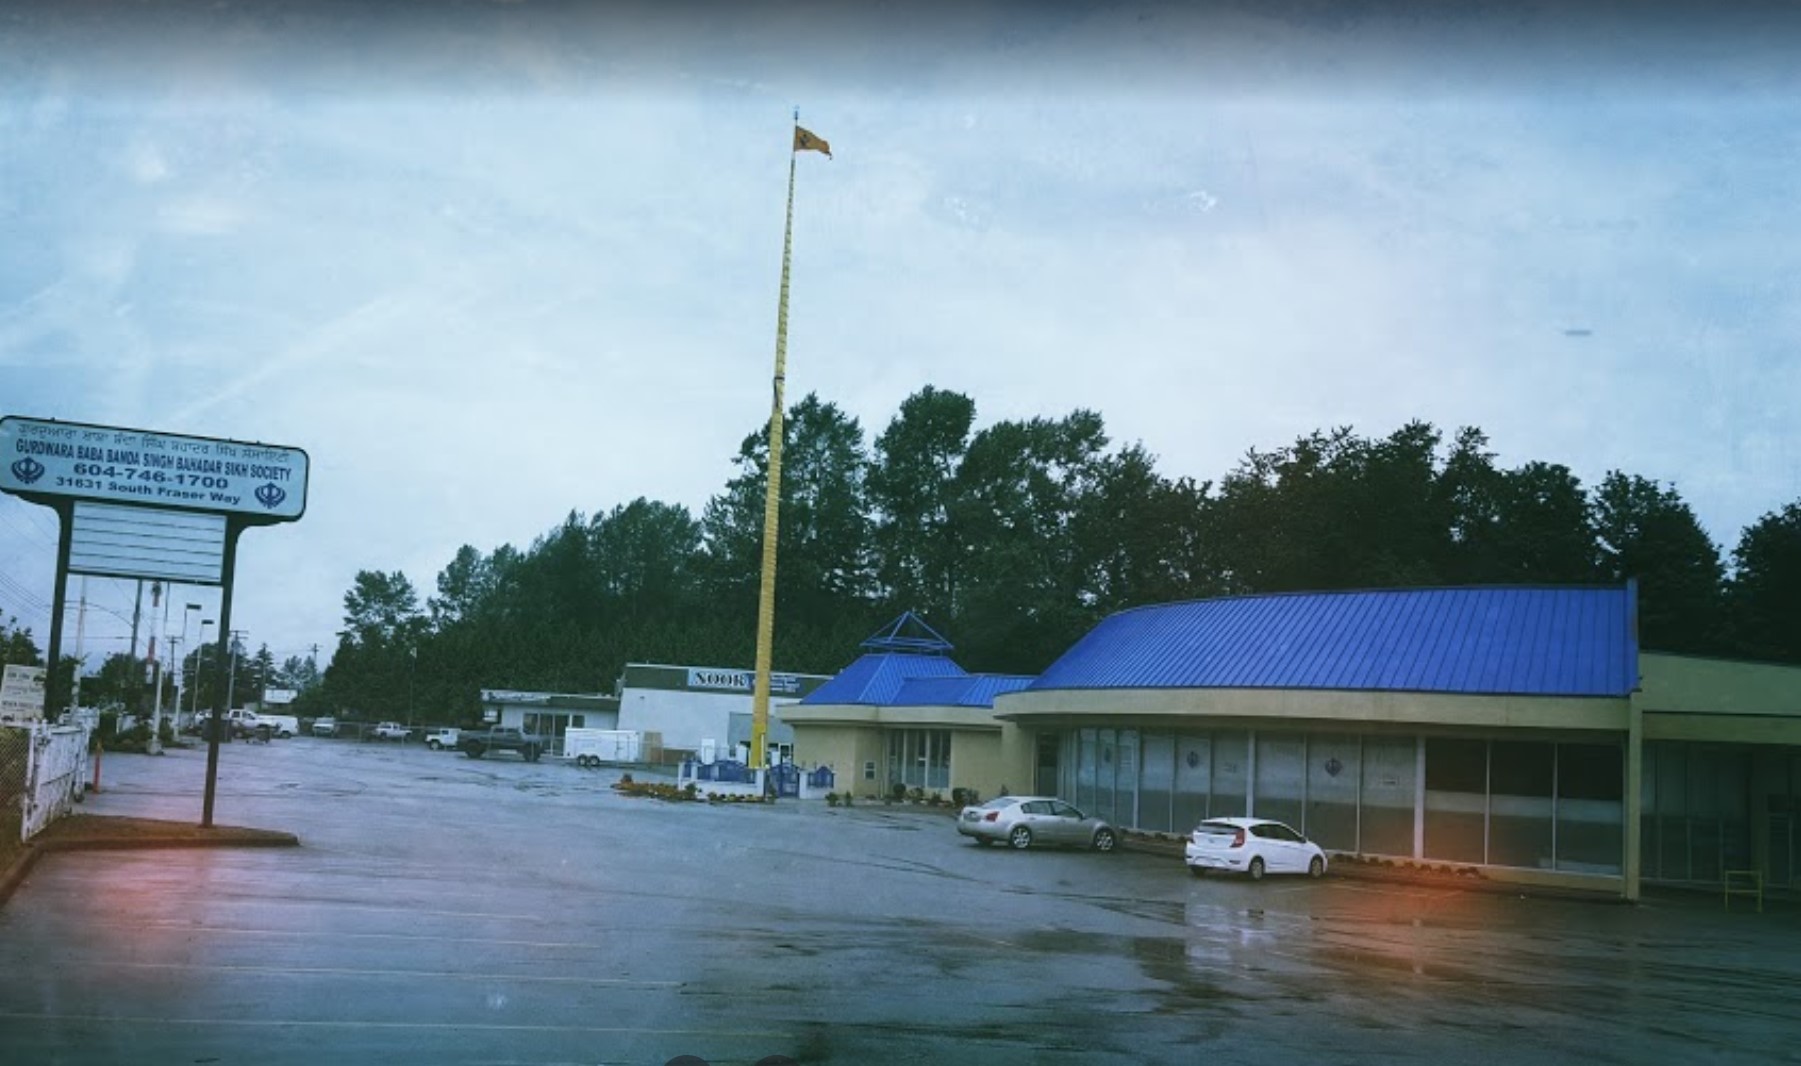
(97, 832)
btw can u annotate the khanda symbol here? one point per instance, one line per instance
(270, 495)
(28, 470)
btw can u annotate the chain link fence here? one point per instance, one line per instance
(15, 761)
(43, 773)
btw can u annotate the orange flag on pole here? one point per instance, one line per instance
(806, 141)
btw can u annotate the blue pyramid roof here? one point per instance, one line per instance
(877, 678)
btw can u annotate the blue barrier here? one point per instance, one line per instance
(724, 771)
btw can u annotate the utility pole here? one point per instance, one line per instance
(135, 692)
(155, 747)
(81, 621)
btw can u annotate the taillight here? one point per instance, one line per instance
(991, 816)
(1237, 839)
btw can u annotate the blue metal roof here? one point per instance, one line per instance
(877, 678)
(970, 690)
(1515, 640)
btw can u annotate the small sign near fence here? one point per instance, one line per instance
(22, 693)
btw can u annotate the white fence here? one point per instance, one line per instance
(47, 767)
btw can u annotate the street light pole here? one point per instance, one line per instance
(231, 679)
(199, 667)
(181, 676)
(158, 627)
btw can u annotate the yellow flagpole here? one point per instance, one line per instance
(759, 719)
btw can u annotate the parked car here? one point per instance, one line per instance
(1022, 821)
(325, 727)
(391, 731)
(1253, 846)
(500, 738)
(439, 739)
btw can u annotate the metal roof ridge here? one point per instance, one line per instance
(1487, 586)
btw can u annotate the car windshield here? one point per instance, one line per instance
(1217, 829)
(1000, 802)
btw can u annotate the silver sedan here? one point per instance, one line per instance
(1021, 821)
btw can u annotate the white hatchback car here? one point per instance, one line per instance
(1253, 846)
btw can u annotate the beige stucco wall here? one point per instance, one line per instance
(1147, 706)
(1718, 700)
(990, 760)
(986, 754)
(843, 747)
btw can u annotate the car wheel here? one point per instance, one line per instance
(474, 751)
(1104, 840)
(1198, 871)
(1020, 838)
(1317, 868)
(1256, 868)
(433, 745)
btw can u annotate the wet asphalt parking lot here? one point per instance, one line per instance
(448, 910)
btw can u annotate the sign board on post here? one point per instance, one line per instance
(137, 503)
(262, 482)
(22, 693)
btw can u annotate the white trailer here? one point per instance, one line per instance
(597, 747)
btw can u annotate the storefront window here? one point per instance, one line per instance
(1519, 830)
(920, 758)
(1194, 781)
(1158, 777)
(1456, 799)
(1591, 780)
(1389, 776)
(1231, 772)
(1087, 755)
(1281, 777)
(1105, 769)
(1125, 779)
(1333, 762)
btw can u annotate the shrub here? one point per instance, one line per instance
(831, 799)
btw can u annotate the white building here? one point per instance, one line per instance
(706, 711)
(549, 714)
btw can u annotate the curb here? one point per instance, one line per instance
(1407, 872)
(181, 835)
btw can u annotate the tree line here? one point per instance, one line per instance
(1016, 538)
(123, 680)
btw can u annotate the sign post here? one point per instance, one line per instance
(144, 504)
(22, 693)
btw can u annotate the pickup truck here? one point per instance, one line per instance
(439, 739)
(391, 731)
(242, 723)
(475, 744)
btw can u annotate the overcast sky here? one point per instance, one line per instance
(504, 260)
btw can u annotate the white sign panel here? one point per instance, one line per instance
(22, 693)
(147, 542)
(40, 457)
(739, 680)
